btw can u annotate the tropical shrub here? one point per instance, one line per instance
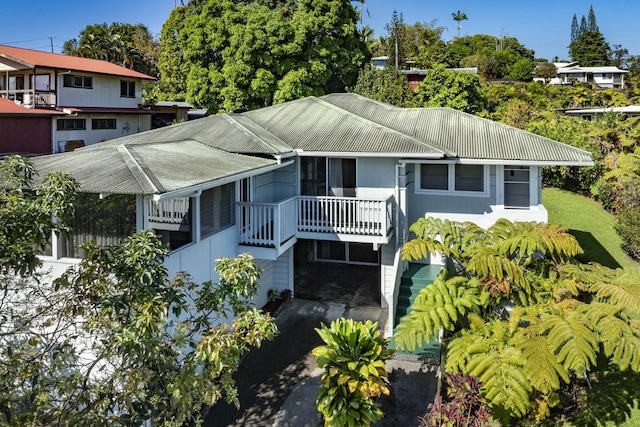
(465, 406)
(355, 372)
(628, 228)
(519, 312)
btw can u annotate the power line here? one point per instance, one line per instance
(27, 41)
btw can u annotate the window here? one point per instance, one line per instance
(16, 82)
(83, 82)
(103, 124)
(442, 177)
(516, 187)
(217, 209)
(127, 89)
(71, 124)
(313, 176)
(42, 82)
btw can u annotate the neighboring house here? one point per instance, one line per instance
(100, 100)
(166, 113)
(415, 76)
(604, 77)
(598, 113)
(338, 179)
(25, 131)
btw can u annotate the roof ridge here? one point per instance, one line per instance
(386, 128)
(232, 119)
(140, 171)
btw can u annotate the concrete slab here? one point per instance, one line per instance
(278, 382)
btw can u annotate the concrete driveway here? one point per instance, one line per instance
(278, 382)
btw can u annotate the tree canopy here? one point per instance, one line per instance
(588, 46)
(114, 340)
(245, 55)
(128, 45)
(520, 314)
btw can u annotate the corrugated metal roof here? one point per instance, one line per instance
(466, 135)
(311, 124)
(10, 107)
(197, 152)
(152, 168)
(33, 58)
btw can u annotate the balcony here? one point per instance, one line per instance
(30, 98)
(278, 225)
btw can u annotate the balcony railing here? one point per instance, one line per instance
(173, 211)
(272, 224)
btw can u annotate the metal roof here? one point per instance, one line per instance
(464, 135)
(152, 168)
(35, 58)
(193, 153)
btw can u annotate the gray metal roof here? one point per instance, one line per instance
(197, 152)
(152, 168)
(311, 124)
(465, 135)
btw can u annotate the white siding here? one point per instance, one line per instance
(104, 93)
(375, 177)
(126, 124)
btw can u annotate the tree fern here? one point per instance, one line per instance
(620, 340)
(572, 341)
(487, 354)
(437, 306)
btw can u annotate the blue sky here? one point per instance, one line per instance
(542, 25)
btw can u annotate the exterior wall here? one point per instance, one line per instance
(126, 124)
(275, 186)
(482, 210)
(25, 135)
(375, 177)
(104, 93)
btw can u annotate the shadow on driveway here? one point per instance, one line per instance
(277, 383)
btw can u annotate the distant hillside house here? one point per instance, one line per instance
(597, 113)
(415, 76)
(603, 77)
(98, 100)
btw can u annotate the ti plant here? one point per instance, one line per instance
(355, 372)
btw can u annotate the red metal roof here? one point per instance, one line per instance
(95, 110)
(7, 106)
(36, 58)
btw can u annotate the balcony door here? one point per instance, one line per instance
(321, 176)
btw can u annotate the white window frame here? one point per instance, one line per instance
(451, 177)
(534, 188)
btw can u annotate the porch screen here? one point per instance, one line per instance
(217, 209)
(516, 187)
(107, 222)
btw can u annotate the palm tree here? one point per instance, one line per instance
(458, 17)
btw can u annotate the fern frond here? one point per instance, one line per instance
(541, 366)
(420, 248)
(571, 340)
(489, 357)
(439, 305)
(620, 339)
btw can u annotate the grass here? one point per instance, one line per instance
(613, 399)
(590, 224)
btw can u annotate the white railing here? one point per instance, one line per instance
(170, 211)
(272, 224)
(345, 215)
(266, 224)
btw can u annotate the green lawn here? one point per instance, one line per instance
(592, 226)
(613, 399)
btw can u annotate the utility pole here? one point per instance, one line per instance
(51, 40)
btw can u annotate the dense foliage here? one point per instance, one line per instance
(131, 46)
(244, 55)
(519, 312)
(355, 373)
(114, 340)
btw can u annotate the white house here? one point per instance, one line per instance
(593, 113)
(100, 100)
(342, 175)
(604, 77)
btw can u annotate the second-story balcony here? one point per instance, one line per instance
(277, 225)
(31, 98)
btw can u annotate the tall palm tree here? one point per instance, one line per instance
(458, 17)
